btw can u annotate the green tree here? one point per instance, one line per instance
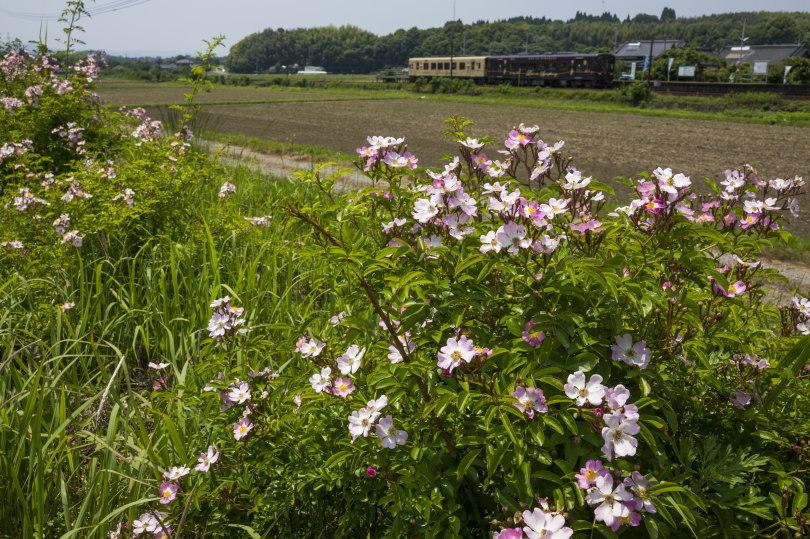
(668, 14)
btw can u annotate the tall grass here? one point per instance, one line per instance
(83, 438)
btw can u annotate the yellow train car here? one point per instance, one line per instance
(464, 67)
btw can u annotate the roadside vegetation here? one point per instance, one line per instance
(189, 349)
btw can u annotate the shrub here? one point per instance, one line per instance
(637, 93)
(483, 349)
(72, 170)
(504, 354)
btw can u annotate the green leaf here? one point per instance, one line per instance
(553, 423)
(335, 459)
(665, 487)
(799, 503)
(652, 527)
(250, 531)
(494, 458)
(466, 462)
(777, 503)
(510, 430)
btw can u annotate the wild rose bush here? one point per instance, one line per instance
(501, 354)
(510, 357)
(70, 169)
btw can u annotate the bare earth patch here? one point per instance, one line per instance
(604, 145)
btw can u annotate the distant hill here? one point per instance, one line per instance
(349, 49)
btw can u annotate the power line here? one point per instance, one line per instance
(101, 9)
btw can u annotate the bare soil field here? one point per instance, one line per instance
(605, 145)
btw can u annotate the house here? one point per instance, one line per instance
(772, 54)
(637, 51)
(761, 57)
(312, 70)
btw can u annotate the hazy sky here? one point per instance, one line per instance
(167, 27)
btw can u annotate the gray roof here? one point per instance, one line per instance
(773, 54)
(640, 49)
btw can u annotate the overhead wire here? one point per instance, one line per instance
(100, 9)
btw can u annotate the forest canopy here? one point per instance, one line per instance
(349, 49)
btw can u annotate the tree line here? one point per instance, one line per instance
(349, 49)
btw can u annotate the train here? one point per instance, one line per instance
(568, 69)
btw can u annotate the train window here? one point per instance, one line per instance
(425, 66)
(462, 65)
(447, 65)
(432, 65)
(479, 65)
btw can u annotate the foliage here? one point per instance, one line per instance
(637, 93)
(549, 292)
(350, 50)
(345, 49)
(71, 169)
(707, 67)
(510, 353)
(799, 71)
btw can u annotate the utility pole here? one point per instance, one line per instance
(452, 40)
(742, 40)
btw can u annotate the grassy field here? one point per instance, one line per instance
(125, 92)
(609, 142)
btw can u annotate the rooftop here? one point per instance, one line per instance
(773, 54)
(640, 49)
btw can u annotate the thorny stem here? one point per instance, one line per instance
(372, 297)
(369, 290)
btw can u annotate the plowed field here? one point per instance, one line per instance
(604, 145)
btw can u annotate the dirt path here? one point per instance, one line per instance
(779, 293)
(283, 166)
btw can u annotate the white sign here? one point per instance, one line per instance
(760, 68)
(686, 71)
(669, 64)
(633, 71)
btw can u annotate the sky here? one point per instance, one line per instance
(169, 27)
